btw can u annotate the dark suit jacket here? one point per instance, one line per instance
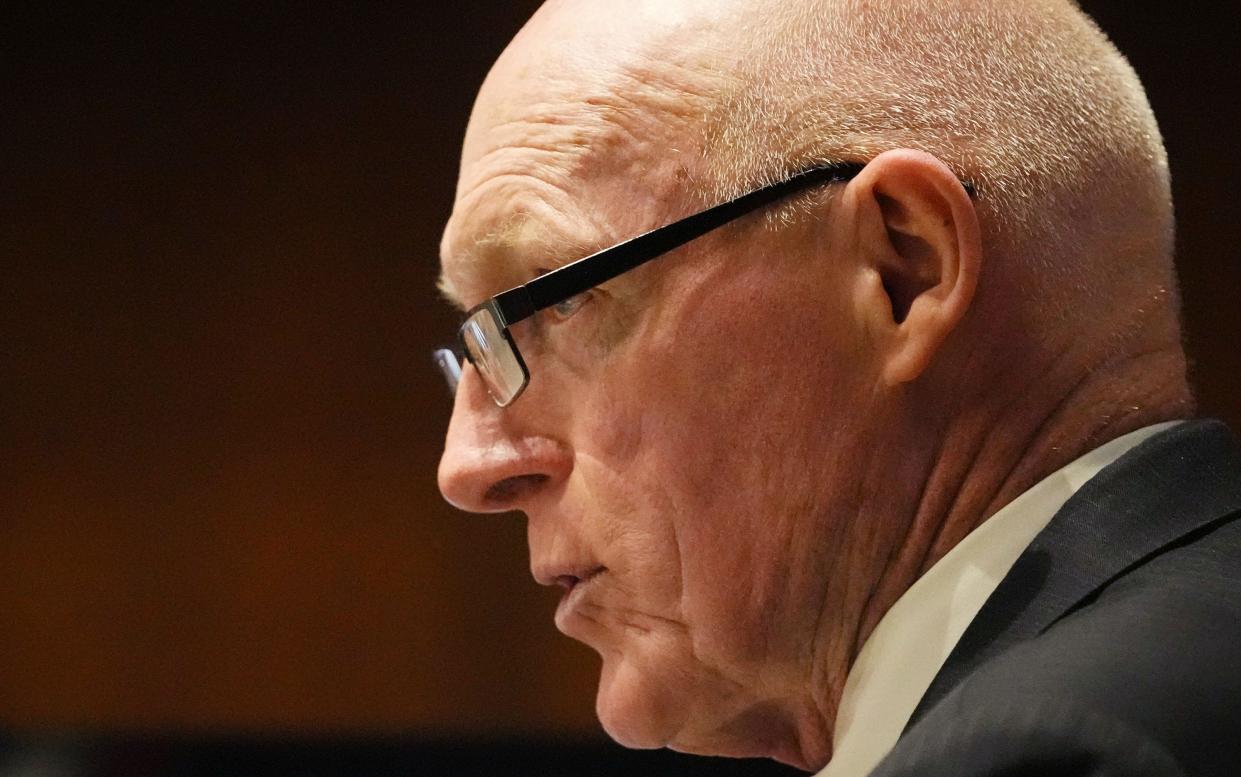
(1113, 646)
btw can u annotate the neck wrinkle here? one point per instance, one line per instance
(1153, 390)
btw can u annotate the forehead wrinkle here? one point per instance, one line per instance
(544, 143)
(681, 92)
(644, 103)
(650, 105)
(639, 103)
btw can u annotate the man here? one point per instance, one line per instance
(876, 466)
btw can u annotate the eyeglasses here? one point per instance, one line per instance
(484, 338)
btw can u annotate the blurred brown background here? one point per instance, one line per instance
(219, 423)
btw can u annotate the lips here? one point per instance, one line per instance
(576, 590)
(575, 580)
(571, 582)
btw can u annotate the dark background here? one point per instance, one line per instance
(220, 536)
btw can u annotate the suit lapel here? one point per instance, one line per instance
(1174, 485)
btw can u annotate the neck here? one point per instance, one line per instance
(991, 454)
(984, 457)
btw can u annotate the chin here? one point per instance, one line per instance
(635, 708)
(645, 709)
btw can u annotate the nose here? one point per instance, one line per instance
(493, 461)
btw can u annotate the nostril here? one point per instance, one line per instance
(513, 488)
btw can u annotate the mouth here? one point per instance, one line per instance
(574, 586)
(570, 582)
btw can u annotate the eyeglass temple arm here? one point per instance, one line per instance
(586, 273)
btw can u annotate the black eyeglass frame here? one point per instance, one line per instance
(521, 302)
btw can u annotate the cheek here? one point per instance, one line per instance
(744, 474)
(713, 487)
(626, 513)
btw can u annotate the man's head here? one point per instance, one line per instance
(736, 456)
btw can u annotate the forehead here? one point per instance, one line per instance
(536, 196)
(564, 153)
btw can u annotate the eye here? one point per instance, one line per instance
(568, 307)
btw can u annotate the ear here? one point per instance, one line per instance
(918, 235)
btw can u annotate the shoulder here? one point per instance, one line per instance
(1143, 679)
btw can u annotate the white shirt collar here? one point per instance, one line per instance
(913, 639)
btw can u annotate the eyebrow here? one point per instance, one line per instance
(491, 253)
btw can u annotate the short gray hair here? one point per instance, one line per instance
(1027, 99)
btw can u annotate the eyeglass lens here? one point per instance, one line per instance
(450, 366)
(493, 355)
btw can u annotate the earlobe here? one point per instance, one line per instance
(921, 236)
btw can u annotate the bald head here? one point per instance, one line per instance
(1027, 100)
(596, 77)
